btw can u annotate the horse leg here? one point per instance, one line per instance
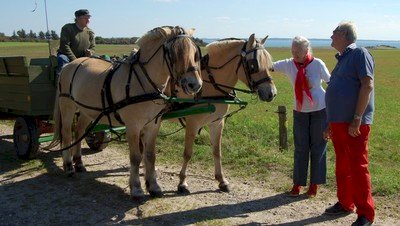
(67, 116)
(80, 127)
(216, 129)
(133, 137)
(190, 135)
(149, 143)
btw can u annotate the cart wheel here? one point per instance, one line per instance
(26, 138)
(97, 141)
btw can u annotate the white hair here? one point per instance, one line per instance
(302, 42)
(350, 29)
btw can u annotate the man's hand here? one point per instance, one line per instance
(88, 52)
(354, 127)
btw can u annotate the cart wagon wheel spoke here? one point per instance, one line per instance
(26, 138)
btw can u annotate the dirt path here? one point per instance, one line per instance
(38, 193)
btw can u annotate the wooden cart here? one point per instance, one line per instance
(27, 92)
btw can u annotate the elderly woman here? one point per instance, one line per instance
(309, 118)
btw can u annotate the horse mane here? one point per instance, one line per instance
(223, 44)
(266, 60)
(179, 48)
(159, 34)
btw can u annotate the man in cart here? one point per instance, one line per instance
(77, 40)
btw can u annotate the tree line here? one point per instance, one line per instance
(23, 36)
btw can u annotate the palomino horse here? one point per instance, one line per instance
(126, 94)
(228, 61)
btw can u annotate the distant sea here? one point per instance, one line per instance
(287, 42)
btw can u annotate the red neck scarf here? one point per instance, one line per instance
(302, 83)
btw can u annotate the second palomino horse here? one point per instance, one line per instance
(227, 62)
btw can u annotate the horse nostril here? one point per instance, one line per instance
(191, 86)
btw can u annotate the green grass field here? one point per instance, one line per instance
(250, 142)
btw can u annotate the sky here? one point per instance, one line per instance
(375, 20)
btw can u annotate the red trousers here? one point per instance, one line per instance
(352, 175)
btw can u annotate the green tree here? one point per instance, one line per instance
(54, 35)
(48, 36)
(3, 37)
(42, 35)
(14, 36)
(99, 40)
(21, 33)
(32, 35)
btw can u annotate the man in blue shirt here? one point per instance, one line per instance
(350, 107)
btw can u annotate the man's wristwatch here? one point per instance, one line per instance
(357, 117)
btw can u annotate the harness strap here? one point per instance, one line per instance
(148, 77)
(73, 75)
(107, 92)
(128, 83)
(218, 86)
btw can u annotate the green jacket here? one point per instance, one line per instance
(74, 42)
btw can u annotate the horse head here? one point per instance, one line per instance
(256, 63)
(181, 56)
(184, 56)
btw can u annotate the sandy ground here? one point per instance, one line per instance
(38, 193)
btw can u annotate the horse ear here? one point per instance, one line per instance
(252, 41)
(190, 31)
(263, 40)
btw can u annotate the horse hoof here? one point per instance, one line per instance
(156, 194)
(69, 169)
(183, 190)
(224, 188)
(138, 199)
(80, 169)
(137, 196)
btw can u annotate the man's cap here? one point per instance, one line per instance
(82, 12)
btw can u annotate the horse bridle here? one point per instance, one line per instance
(170, 58)
(250, 67)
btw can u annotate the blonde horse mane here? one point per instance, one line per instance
(267, 60)
(220, 48)
(179, 48)
(160, 34)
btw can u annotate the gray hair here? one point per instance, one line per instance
(302, 42)
(350, 29)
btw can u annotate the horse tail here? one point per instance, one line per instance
(57, 122)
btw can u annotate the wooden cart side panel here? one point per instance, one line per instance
(13, 66)
(39, 74)
(38, 99)
(48, 64)
(42, 100)
(26, 90)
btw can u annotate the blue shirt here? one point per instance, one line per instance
(342, 92)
